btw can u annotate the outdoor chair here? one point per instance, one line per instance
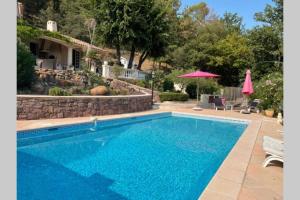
(274, 150)
(218, 103)
(253, 105)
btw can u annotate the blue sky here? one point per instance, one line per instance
(244, 8)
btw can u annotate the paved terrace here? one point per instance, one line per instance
(241, 176)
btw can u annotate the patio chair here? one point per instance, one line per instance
(250, 107)
(253, 105)
(273, 148)
(218, 103)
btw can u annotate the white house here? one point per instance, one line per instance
(54, 53)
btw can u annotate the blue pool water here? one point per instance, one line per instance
(162, 156)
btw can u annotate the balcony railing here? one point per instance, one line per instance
(108, 72)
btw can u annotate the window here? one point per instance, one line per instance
(75, 58)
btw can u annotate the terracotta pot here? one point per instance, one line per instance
(99, 90)
(269, 112)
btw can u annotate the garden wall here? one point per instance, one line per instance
(31, 107)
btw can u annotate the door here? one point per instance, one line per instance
(76, 59)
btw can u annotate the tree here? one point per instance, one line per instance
(65, 13)
(135, 25)
(267, 41)
(109, 15)
(157, 34)
(272, 16)
(32, 10)
(181, 82)
(266, 46)
(233, 22)
(25, 63)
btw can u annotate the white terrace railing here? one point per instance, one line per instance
(109, 72)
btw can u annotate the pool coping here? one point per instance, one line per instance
(227, 181)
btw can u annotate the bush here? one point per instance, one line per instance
(158, 79)
(79, 91)
(205, 87)
(191, 90)
(117, 70)
(270, 91)
(141, 83)
(25, 66)
(168, 85)
(56, 91)
(173, 96)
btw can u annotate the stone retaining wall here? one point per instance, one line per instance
(31, 107)
(133, 89)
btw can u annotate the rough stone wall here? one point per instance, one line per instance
(133, 89)
(30, 107)
(76, 77)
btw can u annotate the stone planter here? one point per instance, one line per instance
(269, 112)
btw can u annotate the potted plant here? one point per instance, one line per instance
(269, 112)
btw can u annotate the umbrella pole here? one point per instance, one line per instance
(197, 107)
(198, 92)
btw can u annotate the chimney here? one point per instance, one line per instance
(51, 26)
(20, 10)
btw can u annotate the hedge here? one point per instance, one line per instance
(173, 96)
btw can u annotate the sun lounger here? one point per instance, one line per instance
(253, 105)
(273, 148)
(218, 104)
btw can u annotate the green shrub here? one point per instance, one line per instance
(168, 85)
(117, 70)
(25, 66)
(56, 91)
(270, 91)
(79, 91)
(158, 79)
(141, 83)
(173, 96)
(191, 89)
(205, 87)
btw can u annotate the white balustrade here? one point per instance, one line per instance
(107, 72)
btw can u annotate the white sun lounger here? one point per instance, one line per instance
(274, 148)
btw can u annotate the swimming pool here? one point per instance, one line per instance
(158, 156)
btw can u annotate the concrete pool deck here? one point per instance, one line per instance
(241, 175)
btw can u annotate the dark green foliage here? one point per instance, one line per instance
(233, 22)
(173, 96)
(168, 85)
(191, 90)
(70, 16)
(32, 10)
(205, 87)
(25, 66)
(57, 91)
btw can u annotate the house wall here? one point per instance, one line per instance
(30, 107)
(59, 51)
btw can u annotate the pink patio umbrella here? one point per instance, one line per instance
(198, 74)
(247, 87)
